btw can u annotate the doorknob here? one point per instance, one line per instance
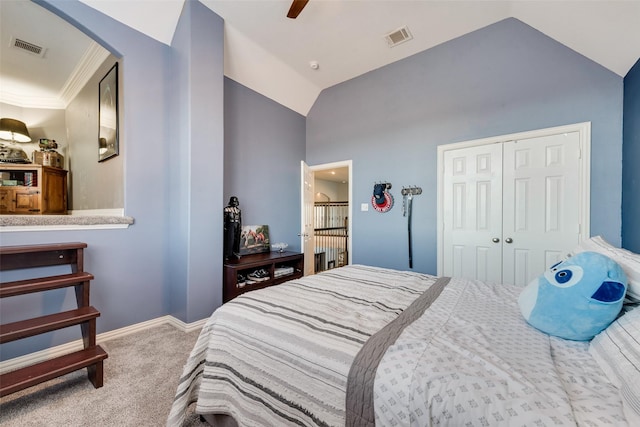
(508, 240)
(495, 240)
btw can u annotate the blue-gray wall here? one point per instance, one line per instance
(195, 165)
(631, 161)
(504, 78)
(128, 264)
(132, 266)
(264, 144)
(181, 165)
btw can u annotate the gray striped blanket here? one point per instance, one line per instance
(281, 356)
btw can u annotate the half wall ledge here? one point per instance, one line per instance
(62, 222)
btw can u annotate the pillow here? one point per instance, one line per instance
(576, 298)
(629, 261)
(617, 351)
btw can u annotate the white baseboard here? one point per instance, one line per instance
(49, 353)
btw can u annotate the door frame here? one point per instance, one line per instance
(333, 165)
(584, 131)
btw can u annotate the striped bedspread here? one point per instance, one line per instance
(281, 356)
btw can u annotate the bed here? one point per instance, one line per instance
(363, 346)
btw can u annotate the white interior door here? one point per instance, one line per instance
(306, 234)
(472, 212)
(541, 201)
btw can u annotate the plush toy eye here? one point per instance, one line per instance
(569, 276)
(563, 276)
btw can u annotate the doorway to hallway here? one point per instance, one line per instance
(326, 215)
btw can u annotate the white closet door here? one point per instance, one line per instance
(472, 203)
(541, 204)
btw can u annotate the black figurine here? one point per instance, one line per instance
(232, 228)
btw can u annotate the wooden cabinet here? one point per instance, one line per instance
(33, 189)
(244, 275)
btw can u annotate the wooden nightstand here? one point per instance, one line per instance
(280, 267)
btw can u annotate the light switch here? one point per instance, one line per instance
(364, 207)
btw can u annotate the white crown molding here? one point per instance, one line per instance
(89, 64)
(53, 103)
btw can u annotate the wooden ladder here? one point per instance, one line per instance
(92, 355)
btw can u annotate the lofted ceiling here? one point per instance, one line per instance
(272, 54)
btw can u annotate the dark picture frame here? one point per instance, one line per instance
(108, 115)
(254, 239)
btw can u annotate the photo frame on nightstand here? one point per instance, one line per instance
(254, 239)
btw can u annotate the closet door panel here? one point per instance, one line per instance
(472, 206)
(521, 271)
(541, 200)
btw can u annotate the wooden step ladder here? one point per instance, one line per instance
(92, 355)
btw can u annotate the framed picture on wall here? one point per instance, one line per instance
(108, 115)
(254, 239)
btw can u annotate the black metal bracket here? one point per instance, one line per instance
(387, 185)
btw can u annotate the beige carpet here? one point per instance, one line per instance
(140, 379)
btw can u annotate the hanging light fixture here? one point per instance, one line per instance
(14, 130)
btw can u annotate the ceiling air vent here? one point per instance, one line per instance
(398, 36)
(31, 48)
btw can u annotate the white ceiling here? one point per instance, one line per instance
(49, 80)
(270, 53)
(340, 175)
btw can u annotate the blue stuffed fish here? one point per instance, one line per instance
(576, 298)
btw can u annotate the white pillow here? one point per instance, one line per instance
(629, 261)
(617, 351)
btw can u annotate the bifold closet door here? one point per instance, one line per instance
(540, 204)
(510, 209)
(472, 213)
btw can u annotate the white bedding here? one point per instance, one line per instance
(280, 356)
(472, 360)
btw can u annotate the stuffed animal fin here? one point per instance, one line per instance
(609, 292)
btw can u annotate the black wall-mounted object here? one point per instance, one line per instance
(407, 194)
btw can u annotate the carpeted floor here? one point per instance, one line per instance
(140, 379)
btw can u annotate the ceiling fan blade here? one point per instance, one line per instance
(296, 8)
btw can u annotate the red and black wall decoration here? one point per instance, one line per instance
(382, 200)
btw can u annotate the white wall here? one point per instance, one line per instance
(93, 184)
(41, 123)
(337, 191)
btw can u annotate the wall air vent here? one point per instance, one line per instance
(31, 48)
(398, 36)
